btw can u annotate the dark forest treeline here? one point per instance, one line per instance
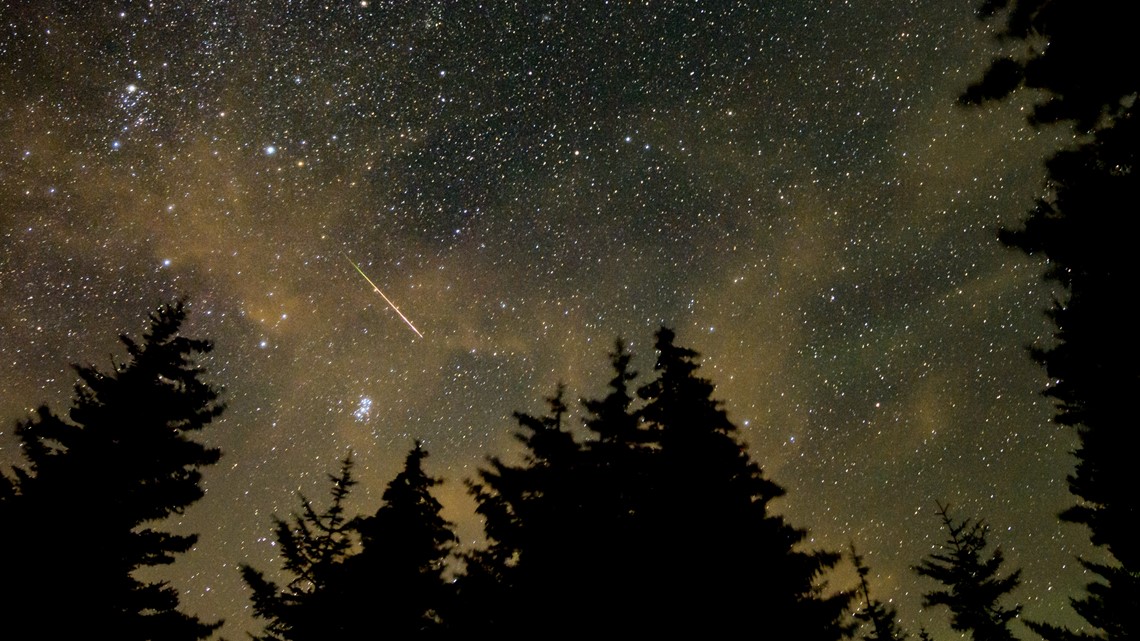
(658, 522)
(646, 527)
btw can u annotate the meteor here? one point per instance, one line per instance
(386, 299)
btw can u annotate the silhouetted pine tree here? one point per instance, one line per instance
(84, 514)
(1093, 365)
(313, 547)
(882, 618)
(1086, 230)
(519, 579)
(726, 562)
(660, 525)
(394, 586)
(973, 587)
(619, 488)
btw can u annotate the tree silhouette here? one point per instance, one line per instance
(620, 486)
(711, 520)
(531, 519)
(1070, 51)
(1079, 54)
(612, 417)
(83, 516)
(882, 618)
(973, 587)
(313, 547)
(363, 577)
(395, 584)
(1093, 363)
(660, 525)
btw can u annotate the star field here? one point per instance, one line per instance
(788, 184)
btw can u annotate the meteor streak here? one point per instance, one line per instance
(386, 300)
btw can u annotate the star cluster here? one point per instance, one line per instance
(788, 184)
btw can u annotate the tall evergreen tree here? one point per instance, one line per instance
(882, 618)
(395, 585)
(84, 514)
(726, 561)
(313, 547)
(518, 580)
(659, 525)
(1078, 55)
(973, 587)
(619, 489)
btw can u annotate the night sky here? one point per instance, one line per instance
(787, 183)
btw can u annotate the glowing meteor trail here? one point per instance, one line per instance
(386, 300)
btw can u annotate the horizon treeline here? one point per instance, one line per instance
(657, 522)
(581, 536)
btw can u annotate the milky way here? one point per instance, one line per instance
(788, 184)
